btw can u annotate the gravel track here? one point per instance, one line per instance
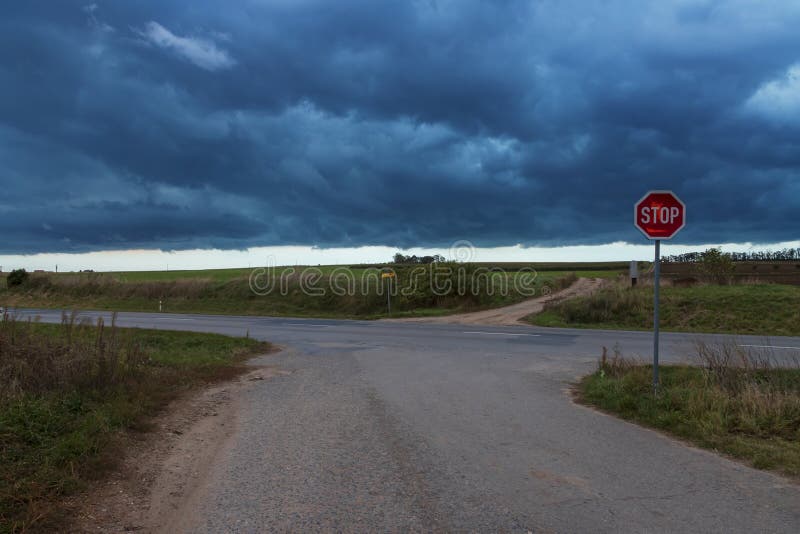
(512, 315)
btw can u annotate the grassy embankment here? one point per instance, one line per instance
(228, 291)
(69, 392)
(736, 402)
(760, 309)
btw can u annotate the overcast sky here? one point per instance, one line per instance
(234, 125)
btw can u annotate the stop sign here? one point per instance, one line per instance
(659, 215)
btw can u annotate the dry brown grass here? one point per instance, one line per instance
(83, 356)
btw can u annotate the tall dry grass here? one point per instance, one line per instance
(757, 390)
(80, 356)
(742, 401)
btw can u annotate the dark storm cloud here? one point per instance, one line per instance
(351, 122)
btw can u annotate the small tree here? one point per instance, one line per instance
(717, 266)
(17, 277)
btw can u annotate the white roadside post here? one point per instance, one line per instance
(658, 215)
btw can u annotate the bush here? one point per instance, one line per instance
(716, 266)
(17, 277)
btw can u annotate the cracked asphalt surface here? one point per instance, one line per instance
(411, 427)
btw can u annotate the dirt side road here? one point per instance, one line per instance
(511, 315)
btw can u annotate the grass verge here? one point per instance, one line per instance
(761, 309)
(736, 402)
(69, 392)
(417, 292)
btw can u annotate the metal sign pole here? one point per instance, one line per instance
(389, 296)
(656, 292)
(658, 215)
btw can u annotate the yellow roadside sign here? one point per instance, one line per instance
(387, 275)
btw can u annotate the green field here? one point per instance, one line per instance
(227, 291)
(742, 406)
(760, 309)
(68, 392)
(587, 269)
(216, 275)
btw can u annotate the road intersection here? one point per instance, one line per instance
(405, 426)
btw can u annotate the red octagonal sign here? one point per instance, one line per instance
(660, 215)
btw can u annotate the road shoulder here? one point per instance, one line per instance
(164, 469)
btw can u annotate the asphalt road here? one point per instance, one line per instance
(398, 427)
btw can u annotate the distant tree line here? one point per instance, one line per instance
(401, 258)
(787, 254)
